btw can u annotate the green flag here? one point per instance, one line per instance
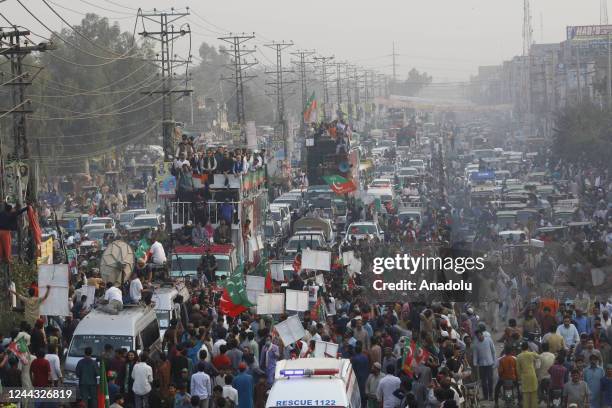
(236, 288)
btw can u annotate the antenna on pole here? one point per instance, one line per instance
(527, 29)
(603, 12)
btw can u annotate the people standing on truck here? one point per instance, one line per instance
(208, 164)
(184, 147)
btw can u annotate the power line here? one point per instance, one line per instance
(239, 65)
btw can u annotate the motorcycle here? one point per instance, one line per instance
(508, 394)
(555, 398)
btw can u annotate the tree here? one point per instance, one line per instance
(413, 84)
(583, 134)
(90, 98)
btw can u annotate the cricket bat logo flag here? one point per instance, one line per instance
(339, 184)
(310, 110)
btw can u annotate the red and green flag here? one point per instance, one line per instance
(234, 300)
(310, 110)
(413, 355)
(339, 184)
(103, 397)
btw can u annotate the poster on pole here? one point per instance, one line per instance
(270, 303)
(296, 300)
(290, 330)
(55, 276)
(319, 260)
(325, 349)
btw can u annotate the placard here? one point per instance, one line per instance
(290, 330)
(325, 349)
(255, 283)
(277, 272)
(270, 303)
(319, 260)
(296, 300)
(90, 292)
(55, 276)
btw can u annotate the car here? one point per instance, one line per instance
(108, 221)
(134, 328)
(299, 382)
(90, 227)
(363, 229)
(419, 164)
(281, 213)
(273, 236)
(303, 241)
(381, 183)
(148, 220)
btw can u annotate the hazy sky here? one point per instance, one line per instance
(447, 38)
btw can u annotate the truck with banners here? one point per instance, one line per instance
(231, 199)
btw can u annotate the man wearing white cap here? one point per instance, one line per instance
(372, 385)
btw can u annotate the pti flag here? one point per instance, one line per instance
(310, 110)
(339, 184)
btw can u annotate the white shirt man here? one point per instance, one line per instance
(386, 387)
(136, 289)
(569, 333)
(230, 393)
(157, 253)
(200, 384)
(56, 371)
(113, 293)
(215, 349)
(142, 374)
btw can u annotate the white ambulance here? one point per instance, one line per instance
(314, 383)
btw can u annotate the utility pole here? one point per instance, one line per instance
(278, 86)
(608, 82)
(339, 66)
(394, 67)
(16, 48)
(578, 73)
(324, 82)
(168, 62)
(239, 65)
(349, 99)
(303, 60)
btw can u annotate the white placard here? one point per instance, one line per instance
(319, 260)
(90, 292)
(276, 269)
(252, 295)
(260, 243)
(347, 257)
(270, 303)
(290, 330)
(325, 349)
(55, 276)
(13, 288)
(256, 283)
(296, 300)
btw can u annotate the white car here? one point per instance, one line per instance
(364, 229)
(147, 220)
(381, 183)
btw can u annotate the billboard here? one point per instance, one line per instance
(589, 32)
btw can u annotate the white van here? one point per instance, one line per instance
(168, 305)
(134, 328)
(314, 382)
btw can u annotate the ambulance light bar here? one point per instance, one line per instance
(306, 372)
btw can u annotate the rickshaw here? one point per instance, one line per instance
(136, 199)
